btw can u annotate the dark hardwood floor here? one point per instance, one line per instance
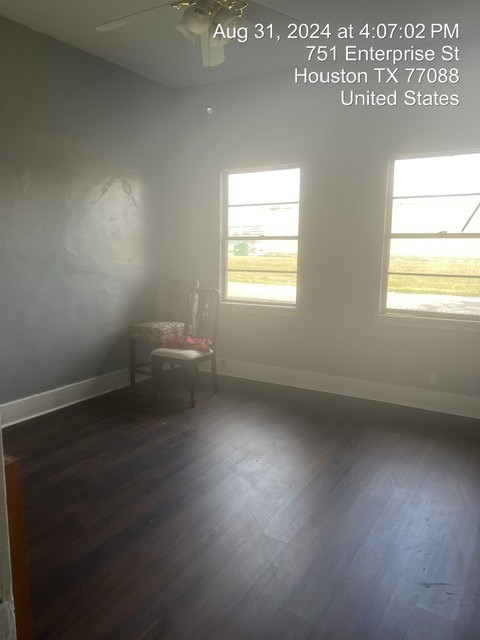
(263, 513)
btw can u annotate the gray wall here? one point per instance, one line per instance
(79, 138)
(345, 154)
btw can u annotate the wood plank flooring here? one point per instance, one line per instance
(264, 513)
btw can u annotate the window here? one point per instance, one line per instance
(432, 243)
(260, 236)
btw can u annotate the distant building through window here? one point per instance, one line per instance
(260, 236)
(432, 240)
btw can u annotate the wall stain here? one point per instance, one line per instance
(109, 183)
(126, 188)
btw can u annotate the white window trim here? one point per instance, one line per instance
(432, 320)
(253, 306)
(422, 322)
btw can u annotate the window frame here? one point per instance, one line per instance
(247, 304)
(412, 316)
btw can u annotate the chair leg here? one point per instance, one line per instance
(157, 375)
(214, 375)
(154, 377)
(191, 380)
(132, 362)
(159, 370)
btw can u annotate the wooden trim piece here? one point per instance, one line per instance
(18, 548)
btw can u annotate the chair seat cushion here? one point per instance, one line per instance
(180, 354)
(158, 332)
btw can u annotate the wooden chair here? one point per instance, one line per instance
(207, 327)
(180, 316)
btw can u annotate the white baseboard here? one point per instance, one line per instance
(468, 406)
(37, 405)
(42, 403)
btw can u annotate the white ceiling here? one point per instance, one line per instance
(153, 47)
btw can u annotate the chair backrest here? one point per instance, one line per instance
(208, 313)
(181, 305)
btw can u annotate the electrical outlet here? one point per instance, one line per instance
(433, 378)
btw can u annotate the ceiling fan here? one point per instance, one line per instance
(213, 21)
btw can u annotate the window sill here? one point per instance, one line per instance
(259, 309)
(444, 324)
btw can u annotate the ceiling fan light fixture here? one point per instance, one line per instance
(196, 19)
(203, 18)
(185, 32)
(218, 41)
(212, 56)
(227, 20)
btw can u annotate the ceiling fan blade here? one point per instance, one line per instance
(259, 13)
(211, 56)
(124, 20)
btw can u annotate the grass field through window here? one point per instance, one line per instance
(254, 268)
(453, 286)
(255, 265)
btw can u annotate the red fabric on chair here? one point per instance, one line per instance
(188, 342)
